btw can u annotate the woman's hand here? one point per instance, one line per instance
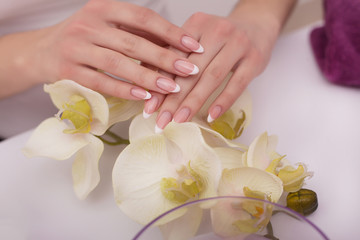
(96, 44)
(242, 45)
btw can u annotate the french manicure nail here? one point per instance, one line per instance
(186, 67)
(158, 129)
(168, 85)
(150, 106)
(214, 114)
(182, 115)
(140, 93)
(146, 115)
(163, 120)
(192, 44)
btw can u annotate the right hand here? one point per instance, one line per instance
(104, 35)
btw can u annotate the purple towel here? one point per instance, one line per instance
(336, 45)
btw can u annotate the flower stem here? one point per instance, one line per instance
(270, 232)
(117, 139)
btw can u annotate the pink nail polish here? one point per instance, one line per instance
(182, 115)
(186, 67)
(192, 44)
(150, 106)
(162, 121)
(140, 93)
(214, 114)
(168, 85)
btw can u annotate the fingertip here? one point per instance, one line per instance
(158, 129)
(146, 115)
(214, 113)
(210, 119)
(192, 44)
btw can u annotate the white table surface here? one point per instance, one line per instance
(317, 123)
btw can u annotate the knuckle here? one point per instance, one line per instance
(164, 59)
(198, 17)
(215, 73)
(170, 31)
(79, 27)
(224, 28)
(129, 44)
(65, 71)
(241, 38)
(96, 7)
(196, 101)
(117, 90)
(143, 76)
(97, 84)
(111, 61)
(143, 16)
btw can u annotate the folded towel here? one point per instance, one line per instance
(336, 45)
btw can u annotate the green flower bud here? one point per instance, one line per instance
(303, 201)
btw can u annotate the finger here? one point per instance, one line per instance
(121, 66)
(105, 84)
(236, 85)
(153, 104)
(145, 51)
(211, 78)
(213, 44)
(147, 20)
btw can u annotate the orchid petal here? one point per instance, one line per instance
(234, 181)
(202, 159)
(229, 157)
(293, 178)
(49, 140)
(262, 151)
(122, 109)
(215, 139)
(228, 124)
(137, 175)
(238, 217)
(183, 227)
(62, 91)
(141, 127)
(85, 168)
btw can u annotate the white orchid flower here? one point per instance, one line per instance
(158, 172)
(228, 126)
(83, 113)
(239, 217)
(233, 121)
(262, 154)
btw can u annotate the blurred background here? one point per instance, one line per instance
(306, 11)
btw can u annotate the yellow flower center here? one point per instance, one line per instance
(258, 213)
(78, 112)
(228, 126)
(188, 185)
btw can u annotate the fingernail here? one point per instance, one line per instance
(168, 85)
(182, 115)
(186, 67)
(150, 106)
(214, 114)
(140, 93)
(163, 120)
(192, 44)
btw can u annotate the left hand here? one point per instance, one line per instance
(242, 45)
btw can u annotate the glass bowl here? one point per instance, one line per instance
(230, 218)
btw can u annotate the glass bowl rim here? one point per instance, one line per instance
(229, 197)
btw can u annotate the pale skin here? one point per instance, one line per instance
(241, 42)
(81, 45)
(102, 35)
